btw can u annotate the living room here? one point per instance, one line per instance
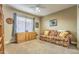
(47, 27)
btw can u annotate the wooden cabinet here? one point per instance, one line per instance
(20, 37)
(30, 36)
(25, 36)
(1, 31)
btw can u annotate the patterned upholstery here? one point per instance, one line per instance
(54, 37)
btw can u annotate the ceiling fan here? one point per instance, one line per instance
(37, 7)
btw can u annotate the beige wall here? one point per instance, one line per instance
(66, 20)
(77, 27)
(8, 12)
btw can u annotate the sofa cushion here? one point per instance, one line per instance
(42, 36)
(53, 33)
(63, 34)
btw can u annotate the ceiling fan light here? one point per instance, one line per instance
(37, 9)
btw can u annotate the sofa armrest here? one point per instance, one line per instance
(69, 38)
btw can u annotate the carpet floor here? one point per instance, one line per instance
(38, 47)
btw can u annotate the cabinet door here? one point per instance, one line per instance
(20, 37)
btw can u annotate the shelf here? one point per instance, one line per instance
(0, 46)
(1, 52)
(0, 39)
(1, 31)
(1, 23)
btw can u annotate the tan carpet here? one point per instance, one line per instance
(38, 47)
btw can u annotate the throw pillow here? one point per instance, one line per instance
(46, 33)
(63, 34)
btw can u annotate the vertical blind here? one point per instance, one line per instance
(24, 24)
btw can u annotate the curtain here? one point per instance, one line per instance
(14, 28)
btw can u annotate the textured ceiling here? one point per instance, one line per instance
(45, 9)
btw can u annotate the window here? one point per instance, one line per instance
(24, 24)
(29, 25)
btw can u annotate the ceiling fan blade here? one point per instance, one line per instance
(38, 5)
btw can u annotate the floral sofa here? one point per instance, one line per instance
(57, 37)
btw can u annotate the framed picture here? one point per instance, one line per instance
(37, 25)
(53, 22)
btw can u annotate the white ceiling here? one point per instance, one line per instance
(44, 10)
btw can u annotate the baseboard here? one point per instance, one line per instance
(7, 42)
(72, 42)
